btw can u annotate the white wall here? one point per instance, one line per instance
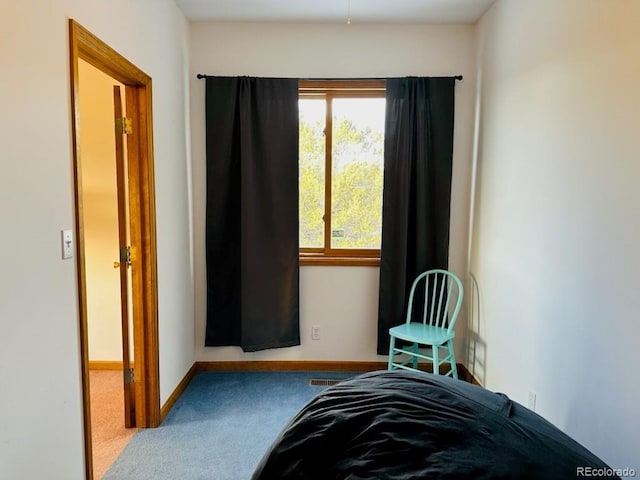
(342, 300)
(39, 344)
(103, 281)
(555, 248)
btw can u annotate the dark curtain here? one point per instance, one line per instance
(418, 152)
(252, 212)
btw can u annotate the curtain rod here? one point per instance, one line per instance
(200, 76)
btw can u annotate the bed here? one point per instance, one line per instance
(405, 425)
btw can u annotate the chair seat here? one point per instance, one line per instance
(421, 333)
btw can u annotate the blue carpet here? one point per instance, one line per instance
(219, 428)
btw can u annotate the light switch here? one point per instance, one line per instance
(67, 244)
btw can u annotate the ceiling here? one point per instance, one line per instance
(336, 11)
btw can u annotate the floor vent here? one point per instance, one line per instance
(323, 382)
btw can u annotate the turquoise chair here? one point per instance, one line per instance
(434, 303)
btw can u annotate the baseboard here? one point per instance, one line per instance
(328, 366)
(179, 390)
(105, 365)
(465, 374)
(289, 365)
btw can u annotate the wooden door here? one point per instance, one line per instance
(124, 262)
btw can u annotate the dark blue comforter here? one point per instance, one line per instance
(404, 425)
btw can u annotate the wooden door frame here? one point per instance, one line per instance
(86, 46)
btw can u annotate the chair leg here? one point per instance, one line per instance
(415, 356)
(392, 346)
(452, 357)
(435, 352)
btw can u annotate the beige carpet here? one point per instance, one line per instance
(108, 435)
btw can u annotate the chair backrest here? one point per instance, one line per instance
(439, 293)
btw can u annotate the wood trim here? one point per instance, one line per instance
(74, 48)
(105, 365)
(177, 392)
(328, 171)
(324, 260)
(342, 256)
(465, 374)
(86, 46)
(149, 253)
(311, 251)
(343, 84)
(345, 87)
(114, 365)
(314, 365)
(135, 240)
(353, 252)
(288, 366)
(94, 51)
(143, 258)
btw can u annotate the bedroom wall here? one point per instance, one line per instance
(39, 345)
(343, 301)
(555, 244)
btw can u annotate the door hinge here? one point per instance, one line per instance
(128, 375)
(125, 255)
(124, 126)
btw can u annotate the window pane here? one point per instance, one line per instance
(357, 172)
(312, 114)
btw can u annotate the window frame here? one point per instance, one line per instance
(329, 90)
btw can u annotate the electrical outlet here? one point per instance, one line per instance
(315, 332)
(532, 401)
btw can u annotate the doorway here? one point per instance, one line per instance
(105, 219)
(136, 261)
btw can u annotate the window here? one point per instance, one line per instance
(341, 171)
